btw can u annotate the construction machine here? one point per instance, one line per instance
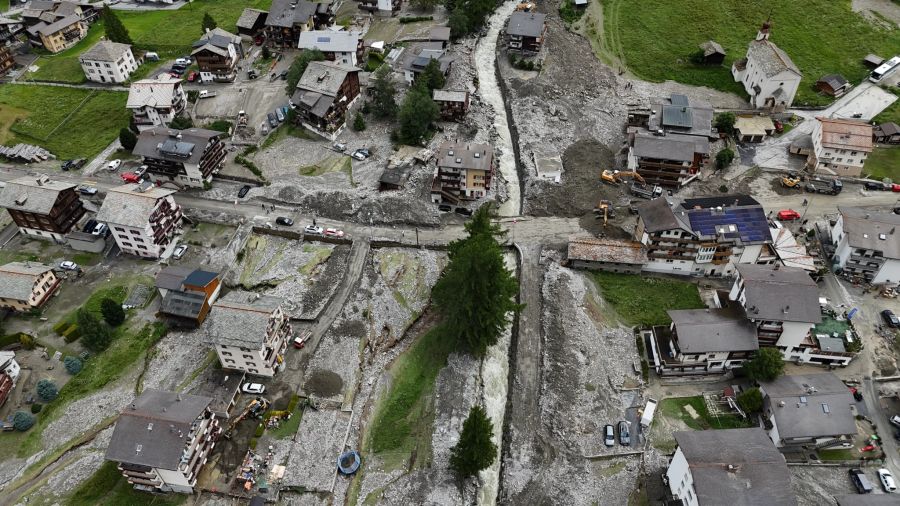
(525, 7)
(792, 180)
(615, 176)
(253, 409)
(605, 208)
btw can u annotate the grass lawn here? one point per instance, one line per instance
(402, 424)
(657, 40)
(644, 301)
(108, 487)
(884, 162)
(285, 130)
(64, 67)
(333, 163)
(675, 408)
(71, 123)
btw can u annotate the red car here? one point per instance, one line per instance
(130, 177)
(192, 76)
(895, 188)
(259, 40)
(788, 215)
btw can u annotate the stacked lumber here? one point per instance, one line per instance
(25, 153)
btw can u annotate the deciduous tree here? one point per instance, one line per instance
(298, 67)
(725, 122)
(384, 103)
(724, 158)
(767, 365)
(751, 401)
(432, 76)
(416, 115)
(475, 449)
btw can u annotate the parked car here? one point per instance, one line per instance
(251, 74)
(140, 171)
(114, 165)
(445, 208)
(463, 211)
(279, 115)
(192, 76)
(887, 480)
(340, 147)
(87, 190)
(68, 265)
(177, 71)
(857, 395)
(333, 232)
(873, 185)
(283, 75)
(77, 163)
(179, 252)
(788, 215)
(89, 225)
(356, 155)
(244, 191)
(130, 177)
(253, 388)
(66, 165)
(895, 188)
(273, 121)
(184, 60)
(890, 319)
(313, 230)
(151, 56)
(364, 151)
(895, 420)
(624, 435)
(861, 482)
(284, 220)
(609, 435)
(100, 229)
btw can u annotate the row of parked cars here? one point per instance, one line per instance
(609, 434)
(864, 486)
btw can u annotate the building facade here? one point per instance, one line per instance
(185, 157)
(840, 146)
(324, 94)
(454, 104)
(217, 54)
(464, 172)
(343, 48)
(526, 31)
(156, 102)
(108, 62)
(7, 60)
(381, 7)
(249, 332)
(144, 219)
(41, 207)
(187, 293)
(867, 244)
(163, 439)
(768, 74)
(26, 285)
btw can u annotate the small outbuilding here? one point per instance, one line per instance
(886, 133)
(753, 128)
(873, 60)
(833, 85)
(607, 255)
(713, 53)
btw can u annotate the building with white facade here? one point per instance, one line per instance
(26, 285)
(809, 410)
(108, 62)
(730, 466)
(187, 157)
(163, 439)
(249, 332)
(867, 244)
(144, 219)
(344, 48)
(9, 366)
(840, 146)
(155, 102)
(768, 74)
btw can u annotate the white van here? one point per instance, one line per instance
(151, 56)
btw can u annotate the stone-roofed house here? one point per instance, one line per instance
(440, 34)
(251, 22)
(833, 85)
(9, 29)
(808, 410)
(108, 62)
(186, 157)
(26, 285)
(144, 219)
(703, 236)
(609, 255)
(324, 93)
(730, 466)
(217, 54)
(57, 25)
(840, 146)
(525, 32)
(7, 59)
(887, 133)
(187, 293)
(464, 172)
(712, 53)
(42, 207)
(163, 439)
(249, 331)
(156, 102)
(287, 19)
(418, 55)
(768, 74)
(703, 342)
(671, 160)
(344, 48)
(867, 244)
(454, 104)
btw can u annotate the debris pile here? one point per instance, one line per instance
(27, 153)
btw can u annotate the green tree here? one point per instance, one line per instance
(416, 115)
(112, 312)
(181, 123)
(475, 294)
(47, 390)
(767, 365)
(127, 139)
(115, 30)
(73, 365)
(724, 158)
(751, 401)
(23, 421)
(458, 23)
(266, 53)
(95, 336)
(208, 22)
(384, 103)
(725, 122)
(425, 5)
(432, 76)
(298, 67)
(475, 450)
(359, 124)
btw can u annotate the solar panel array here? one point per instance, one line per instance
(751, 223)
(179, 149)
(323, 39)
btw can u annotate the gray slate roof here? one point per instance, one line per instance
(324, 77)
(660, 214)
(713, 330)
(249, 17)
(134, 441)
(667, 147)
(105, 50)
(450, 152)
(771, 59)
(127, 207)
(834, 80)
(441, 33)
(867, 233)
(888, 128)
(711, 47)
(803, 414)
(283, 15)
(449, 95)
(798, 295)
(526, 24)
(17, 279)
(58, 25)
(240, 319)
(329, 41)
(193, 140)
(39, 199)
(172, 277)
(759, 474)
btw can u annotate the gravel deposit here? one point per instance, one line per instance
(85, 413)
(814, 485)
(177, 356)
(319, 442)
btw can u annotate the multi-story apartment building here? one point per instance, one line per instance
(7, 60)
(525, 32)
(163, 439)
(464, 172)
(288, 18)
(57, 25)
(156, 102)
(217, 54)
(704, 236)
(108, 62)
(324, 93)
(186, 157)
(250, 332)
(42, 207)
(840, 146)
(767, 73)
(26, 285)
(867, 244)
(144, 219)
(60, 34)
(344, 48)
(381, 7)
(9, 29)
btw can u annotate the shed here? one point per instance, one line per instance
(713, 53)
(753, 128)
(873, 60)
(834, 85)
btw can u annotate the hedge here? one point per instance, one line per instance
(72, 333)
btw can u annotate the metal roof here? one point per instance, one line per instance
(679, 116)
(329, 42)
(183, 146)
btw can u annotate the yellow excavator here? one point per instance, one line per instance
(615, 176)
(607, 209)
(792, 180)
(525, 7)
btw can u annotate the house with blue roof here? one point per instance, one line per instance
(705, 236)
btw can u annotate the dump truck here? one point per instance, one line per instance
(649, 411)
(646, 191)
(832, 187)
